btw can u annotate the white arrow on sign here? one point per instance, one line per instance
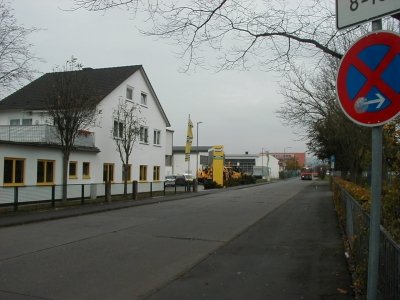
(362, 103)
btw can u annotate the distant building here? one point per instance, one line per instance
(243, 162)
(284, 157)
(246, 162)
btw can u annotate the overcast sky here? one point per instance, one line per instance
(237, 108)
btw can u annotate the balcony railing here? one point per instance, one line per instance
(43, 134)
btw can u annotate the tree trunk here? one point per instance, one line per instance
(125, 179)
(65, 177)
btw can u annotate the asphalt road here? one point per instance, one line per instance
(184, 249)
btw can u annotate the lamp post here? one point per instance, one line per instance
(197, 148)
(262, 162)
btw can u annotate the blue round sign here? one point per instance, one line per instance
(368, 81)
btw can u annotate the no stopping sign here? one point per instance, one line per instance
(368, 80)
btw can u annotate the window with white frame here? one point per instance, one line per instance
(144, 135)
(157, 137)
(143, 99)
(16, 122)
(118, 129)
(26, 121)
(129, 93)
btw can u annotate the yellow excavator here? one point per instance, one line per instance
(207, 174)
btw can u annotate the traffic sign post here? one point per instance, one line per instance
(368, 89)
(375, 214)
(375, 210)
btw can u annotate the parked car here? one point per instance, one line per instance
(170, 180)
(188, 177)
(180, 180)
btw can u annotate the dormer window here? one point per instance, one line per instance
(143, 99)
(118, 129)
(144, 135)
(129, 93)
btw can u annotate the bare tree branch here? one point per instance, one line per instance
(126, 130)
(15, 55)
(245, 33)
(72, 106)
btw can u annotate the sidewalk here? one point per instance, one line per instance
(295, 252)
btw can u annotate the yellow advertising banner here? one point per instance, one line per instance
(189, 139)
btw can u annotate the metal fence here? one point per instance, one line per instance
(21, 195)
(356, 223)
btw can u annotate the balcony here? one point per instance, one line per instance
(42, 134)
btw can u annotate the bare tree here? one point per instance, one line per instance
(125, 132)
(243, 33)
(311, 104)
(15, 51)
(72, 106)
(266, 34)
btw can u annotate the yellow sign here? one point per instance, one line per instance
(218, 164)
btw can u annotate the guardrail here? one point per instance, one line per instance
(356, 224)
(35, 194)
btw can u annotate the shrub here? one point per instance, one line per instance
(209, 184)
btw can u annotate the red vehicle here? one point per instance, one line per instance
(306, 173)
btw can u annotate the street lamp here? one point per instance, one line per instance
(197, 148)
(262, 162)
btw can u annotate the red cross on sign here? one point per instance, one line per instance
(368, 80)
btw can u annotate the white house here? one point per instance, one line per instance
(30, 152)
(199, 157)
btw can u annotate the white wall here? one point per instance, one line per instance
(180, 166)
(168, 151)
(169, 141)
(142, 154)
(273, 164)
(32, 154)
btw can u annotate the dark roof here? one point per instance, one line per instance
(33, 96)
(102, 81)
